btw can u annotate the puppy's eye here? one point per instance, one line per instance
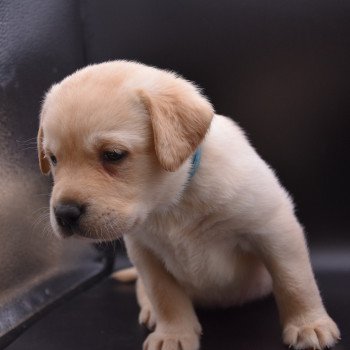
(53, 159)
(113, 156)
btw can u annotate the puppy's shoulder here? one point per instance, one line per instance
(225, 132)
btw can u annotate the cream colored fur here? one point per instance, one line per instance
(224, 237)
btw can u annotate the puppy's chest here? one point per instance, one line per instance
(196, 252)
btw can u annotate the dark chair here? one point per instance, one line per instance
(279, 68)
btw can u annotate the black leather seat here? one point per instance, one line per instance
(281, 69)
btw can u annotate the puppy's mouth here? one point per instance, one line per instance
(67, 232)
(91, 229)
(91, 233)
(71, 231)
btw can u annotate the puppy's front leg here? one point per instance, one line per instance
(177, 326)
(283, 248)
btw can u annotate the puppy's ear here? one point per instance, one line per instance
(43, 162)
(180, 118)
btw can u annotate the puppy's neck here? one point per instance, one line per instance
(195, 162)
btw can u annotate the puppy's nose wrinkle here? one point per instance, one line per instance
(68, 214)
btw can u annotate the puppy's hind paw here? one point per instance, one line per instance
(147, 317)
(319, 334)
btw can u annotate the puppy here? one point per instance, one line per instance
(137, 151)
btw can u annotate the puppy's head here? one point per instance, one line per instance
(117, 138)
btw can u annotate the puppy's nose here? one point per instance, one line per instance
(68, 214)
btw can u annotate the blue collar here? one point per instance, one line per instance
(196, 160)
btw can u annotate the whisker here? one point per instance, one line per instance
(31, 141)
(46, 232)
(46, 208)
(28, 148)
(43, 194)
(40, 220)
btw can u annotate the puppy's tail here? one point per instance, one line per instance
(126, 275)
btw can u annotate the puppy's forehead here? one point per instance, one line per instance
(92, 110)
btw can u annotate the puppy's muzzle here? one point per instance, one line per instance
(68, 216)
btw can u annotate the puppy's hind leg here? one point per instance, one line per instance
(146, 315)
(125, 275)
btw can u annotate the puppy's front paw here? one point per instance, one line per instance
(171, 341)
(147, 316)
(311, 333)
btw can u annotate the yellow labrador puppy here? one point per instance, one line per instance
(137, 151)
